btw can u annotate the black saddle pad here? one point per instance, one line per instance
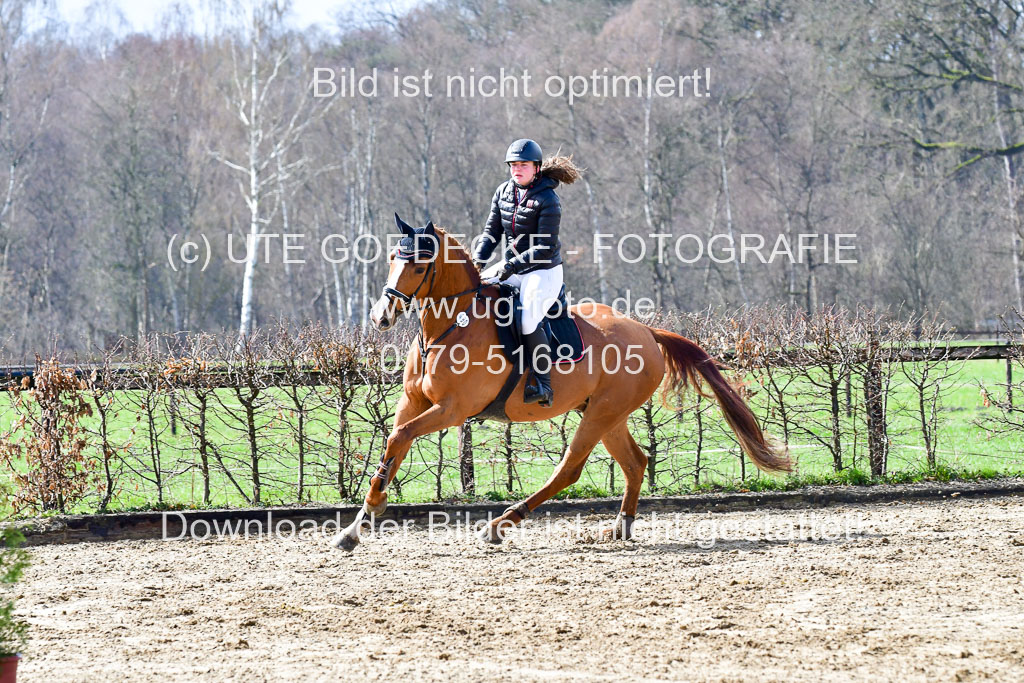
(566, 338)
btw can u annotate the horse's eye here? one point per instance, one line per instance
(420, 269)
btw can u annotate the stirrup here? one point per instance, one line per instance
(538, 391)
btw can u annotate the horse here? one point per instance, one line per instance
(440, 391)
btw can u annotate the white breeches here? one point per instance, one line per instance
(538, 291)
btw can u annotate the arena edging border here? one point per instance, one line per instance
(149, 525)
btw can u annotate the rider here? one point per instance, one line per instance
(526, 209)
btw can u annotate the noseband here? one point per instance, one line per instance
(409, 255)
(406, 299)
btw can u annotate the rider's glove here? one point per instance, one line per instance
(506, 272)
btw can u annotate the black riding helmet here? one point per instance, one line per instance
(524, 150)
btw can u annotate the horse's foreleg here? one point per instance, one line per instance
(433, 419)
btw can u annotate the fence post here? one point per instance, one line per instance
(509, 458)
(204, 457)
(173, 403)
(1009, 379)
(439, 480)
(874, 405)
(466, 472)
(849, 395)
(652, 446)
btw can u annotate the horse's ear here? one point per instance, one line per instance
(403, 226)
(429, 230)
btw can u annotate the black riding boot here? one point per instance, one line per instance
(538, 351)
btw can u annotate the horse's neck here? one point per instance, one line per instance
(439, 313)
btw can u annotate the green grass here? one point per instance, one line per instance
(965, 450)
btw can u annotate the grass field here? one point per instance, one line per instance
(431, 470)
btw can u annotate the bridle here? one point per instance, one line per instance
(407, 299)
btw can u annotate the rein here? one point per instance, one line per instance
(421, 335)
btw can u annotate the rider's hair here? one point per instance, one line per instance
(562, 169)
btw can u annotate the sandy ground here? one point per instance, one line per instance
(927, 591)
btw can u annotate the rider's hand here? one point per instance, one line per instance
(506, 273)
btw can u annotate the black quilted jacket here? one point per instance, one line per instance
(529, 217)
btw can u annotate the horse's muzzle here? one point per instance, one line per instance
(383, 313)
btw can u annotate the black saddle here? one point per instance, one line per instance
(563, 332)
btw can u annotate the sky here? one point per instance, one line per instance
(144, 15)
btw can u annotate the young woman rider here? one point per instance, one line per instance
(527, 211)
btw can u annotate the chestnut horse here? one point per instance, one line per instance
(448, 386)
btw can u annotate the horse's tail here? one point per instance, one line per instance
(687, 364)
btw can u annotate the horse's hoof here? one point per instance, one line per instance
(490, 534)
(345, 542)
(378, 509)
(622, 530)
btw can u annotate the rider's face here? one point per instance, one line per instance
(522, 171)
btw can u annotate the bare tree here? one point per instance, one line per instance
(273, 116)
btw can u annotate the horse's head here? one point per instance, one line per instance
(411, 273)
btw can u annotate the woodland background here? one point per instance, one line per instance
(901, 122)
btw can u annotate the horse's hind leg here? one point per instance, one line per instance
(633, 461)
(591, 430)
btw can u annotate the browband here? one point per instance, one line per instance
(409, 249)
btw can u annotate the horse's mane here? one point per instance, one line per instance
(458, 252)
